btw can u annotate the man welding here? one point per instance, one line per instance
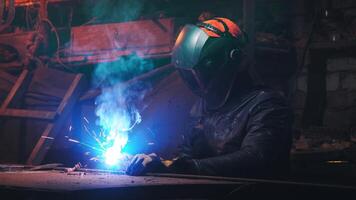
(240, 129)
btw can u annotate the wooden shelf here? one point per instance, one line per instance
(333, 45)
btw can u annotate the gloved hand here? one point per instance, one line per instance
(142, 163)
(185, 165)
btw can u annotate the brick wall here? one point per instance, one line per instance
(300, 96)
(340, 111)
(341, 93)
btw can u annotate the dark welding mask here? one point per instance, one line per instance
(208, 61)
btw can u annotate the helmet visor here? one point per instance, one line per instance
(188, 47)
(193, 81)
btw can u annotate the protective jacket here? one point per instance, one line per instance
(250, 136)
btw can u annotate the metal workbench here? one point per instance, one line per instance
(21, 183)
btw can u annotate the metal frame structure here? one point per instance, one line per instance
(55, 119)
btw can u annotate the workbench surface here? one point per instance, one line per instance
(99, 184)
(61, 181)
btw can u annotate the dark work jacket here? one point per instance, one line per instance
(248, 137)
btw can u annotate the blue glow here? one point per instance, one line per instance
(116, 118)
(115, 106)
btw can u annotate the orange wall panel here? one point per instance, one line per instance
(24, 2)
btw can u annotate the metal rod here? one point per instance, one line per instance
(250, 180)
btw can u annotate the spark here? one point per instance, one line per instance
(337, 161)
(334, 38)
(110, 141)
(95, 159)
(94, 136)
(45, 137)
(86, 120)
(116, 120)
(85, 144)
(75, 141)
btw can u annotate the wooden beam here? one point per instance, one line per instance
(20, 3)
(68, 97)
(333, 45)
(11, 66)
(52, 129)
(18, 89)
(21, 113)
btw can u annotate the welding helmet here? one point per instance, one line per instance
(208, 56)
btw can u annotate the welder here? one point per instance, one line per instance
(239, 128)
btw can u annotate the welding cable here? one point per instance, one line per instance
(2, 7)
(28, 17)
(53, 29)
(302, 61)
(309, 41)
(43, 18)
(10, 15)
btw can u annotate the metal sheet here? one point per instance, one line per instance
(146, 36)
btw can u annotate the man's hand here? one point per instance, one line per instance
(141, 163)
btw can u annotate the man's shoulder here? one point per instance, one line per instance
(268, 98)
(268, 94)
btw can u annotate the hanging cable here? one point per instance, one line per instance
(2, 7)
(54, 30)
(10, 14)
(304, 55)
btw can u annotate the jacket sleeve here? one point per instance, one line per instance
(192, 141)
(265, 145)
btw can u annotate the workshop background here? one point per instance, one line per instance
(59, 59)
